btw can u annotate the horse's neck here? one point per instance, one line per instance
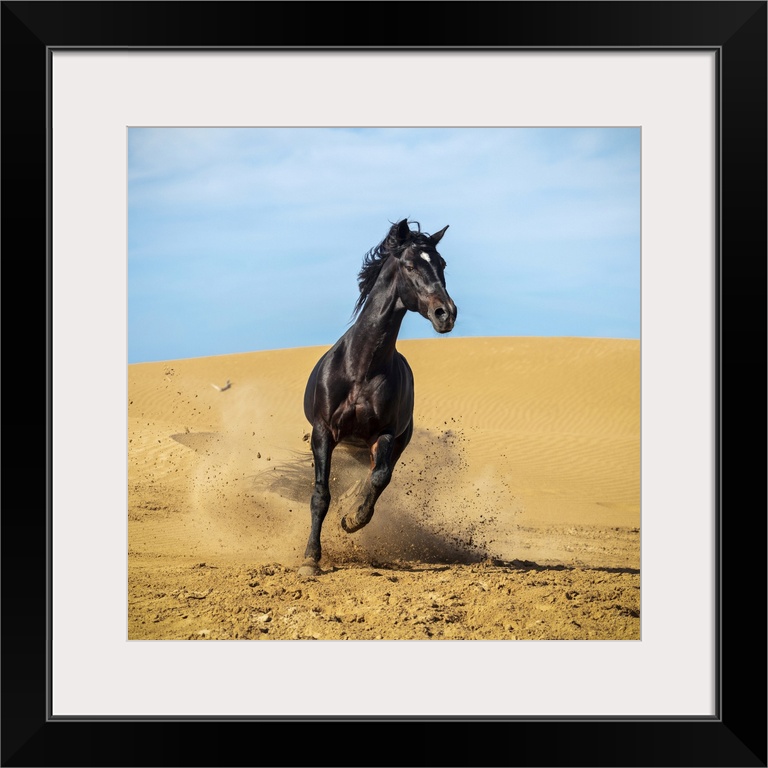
(373, 336)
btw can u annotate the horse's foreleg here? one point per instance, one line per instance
(322, 448)
(384, 454)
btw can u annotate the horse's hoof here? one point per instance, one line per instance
(352, 525)
(309, 569)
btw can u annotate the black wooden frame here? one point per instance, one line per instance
(737, 31)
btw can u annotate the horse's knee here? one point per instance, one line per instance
(382, 455)
(320, 501)
(321, 495)
(380, 477)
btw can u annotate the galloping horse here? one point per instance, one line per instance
(361, 390)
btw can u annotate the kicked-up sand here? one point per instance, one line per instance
(514, 513)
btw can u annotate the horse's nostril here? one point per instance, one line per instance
(440, 313)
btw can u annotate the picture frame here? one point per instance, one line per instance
(736, 735)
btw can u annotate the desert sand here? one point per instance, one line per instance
(514, 514)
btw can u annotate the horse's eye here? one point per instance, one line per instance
(408, 267)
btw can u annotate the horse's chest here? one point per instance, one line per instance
(368, 408)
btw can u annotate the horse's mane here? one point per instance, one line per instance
(374, 260)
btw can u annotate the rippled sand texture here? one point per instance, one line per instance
(525, 463)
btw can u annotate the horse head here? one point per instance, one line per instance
(421, 275)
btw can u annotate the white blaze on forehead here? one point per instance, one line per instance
(425, 256)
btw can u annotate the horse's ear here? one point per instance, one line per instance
(398, 234)
(438, 235)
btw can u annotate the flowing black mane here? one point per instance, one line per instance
(374, 260)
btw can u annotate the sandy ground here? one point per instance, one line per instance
(513, 514)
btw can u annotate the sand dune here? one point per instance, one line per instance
(525, 459)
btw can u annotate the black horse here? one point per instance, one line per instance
(361, 390)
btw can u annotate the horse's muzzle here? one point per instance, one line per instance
(443, 316)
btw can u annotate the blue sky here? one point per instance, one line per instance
(245, 239)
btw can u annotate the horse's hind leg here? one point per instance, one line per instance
(322, 448)
(384, 453)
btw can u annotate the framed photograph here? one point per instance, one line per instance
(689, 79)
